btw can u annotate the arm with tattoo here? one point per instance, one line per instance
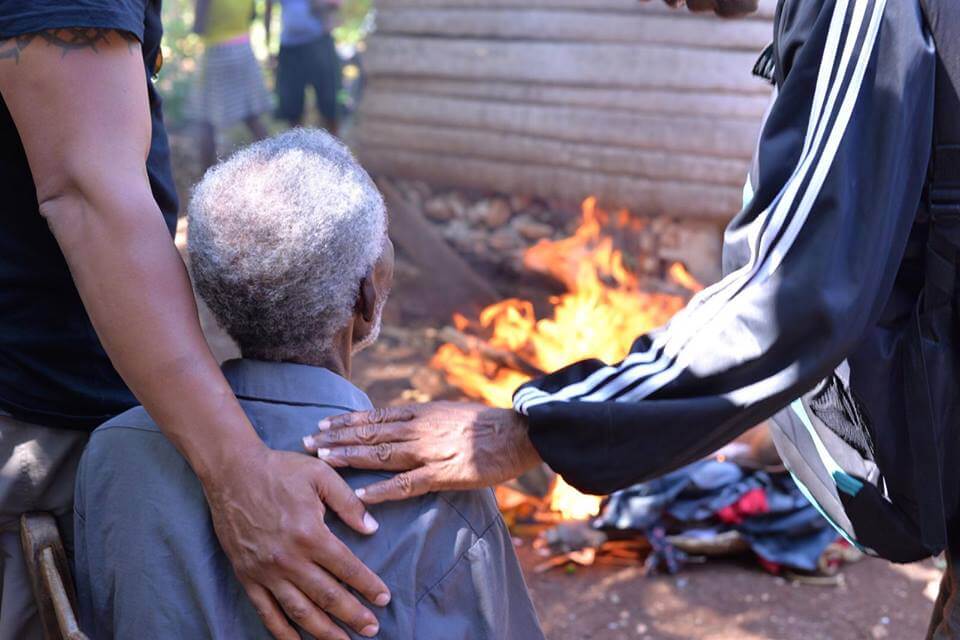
(79, 100)
(67, 40)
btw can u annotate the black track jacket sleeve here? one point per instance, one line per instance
(809, 262)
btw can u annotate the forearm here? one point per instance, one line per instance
(813, 264)
(137, 293)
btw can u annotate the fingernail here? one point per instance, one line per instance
(323, 453)
(360, 493)
(323, 425)
(309, 442)
(382, 600)
(370, 523)
(370, 630)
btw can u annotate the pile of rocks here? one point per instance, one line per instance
(496, 229)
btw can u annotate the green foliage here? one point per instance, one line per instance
(356, 21)
(181, 52)
(182, 48)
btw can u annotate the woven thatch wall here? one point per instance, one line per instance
(646, 107)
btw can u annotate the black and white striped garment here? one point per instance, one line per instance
(811, 262)
(228, 86)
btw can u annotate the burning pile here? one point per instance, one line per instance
(714, 506)
(605, 307)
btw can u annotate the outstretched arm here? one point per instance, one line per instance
(79, 101)
(811, 259)
(810, 262)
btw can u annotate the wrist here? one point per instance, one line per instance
(215, 460)
(527, 453)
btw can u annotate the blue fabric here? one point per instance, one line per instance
(299, 24)
(148, 563)
(792, 533)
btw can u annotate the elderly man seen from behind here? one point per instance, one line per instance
(289, 248)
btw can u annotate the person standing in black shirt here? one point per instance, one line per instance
(96, 314)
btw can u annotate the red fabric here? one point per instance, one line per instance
(753, 502)
(769, 566)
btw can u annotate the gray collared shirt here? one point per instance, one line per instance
(148, 563)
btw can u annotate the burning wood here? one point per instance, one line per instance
(606, 306)
(500, 357)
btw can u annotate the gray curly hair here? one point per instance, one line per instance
(280, 235)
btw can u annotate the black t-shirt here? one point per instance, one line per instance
(53, 370)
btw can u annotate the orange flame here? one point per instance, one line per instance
(571, 504)
(604, 309)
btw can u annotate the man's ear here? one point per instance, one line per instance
(367, 300)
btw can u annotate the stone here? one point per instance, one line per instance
(491, 213)
(520, 203)
(497, 214)
(457, 231)
(439, 209)
(458, 204)
(532, 230)
(505, 240)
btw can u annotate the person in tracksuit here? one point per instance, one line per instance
(817, 276)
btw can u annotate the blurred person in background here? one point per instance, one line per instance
(229, 86)
(308, 57)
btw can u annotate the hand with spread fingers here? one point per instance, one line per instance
(271, 525)
(435, 447)
(725, 8)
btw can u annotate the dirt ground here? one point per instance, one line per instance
(718, 600)
(732, 600)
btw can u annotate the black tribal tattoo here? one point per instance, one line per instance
(67, 40)
(12, 47)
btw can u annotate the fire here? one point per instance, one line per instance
(571, 504)
(603, 310)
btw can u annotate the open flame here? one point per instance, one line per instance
(603, 310)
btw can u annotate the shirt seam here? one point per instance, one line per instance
(453, 566)
(296, 403)
(462, 517)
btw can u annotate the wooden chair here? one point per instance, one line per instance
(50, 576)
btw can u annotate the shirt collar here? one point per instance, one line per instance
(297, 384)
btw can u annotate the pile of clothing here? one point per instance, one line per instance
(717, 506)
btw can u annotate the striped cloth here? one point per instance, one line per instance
(229, 86)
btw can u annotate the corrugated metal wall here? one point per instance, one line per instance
(646, 107)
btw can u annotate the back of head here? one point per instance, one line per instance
(280, 236)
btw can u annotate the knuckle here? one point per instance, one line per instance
(325, 597)
(380, 414)
(383, 451)
(246, 567)
(367, 433)
(349, 572)
(303, 535)
(403, 483)
(297, 611)
(278, 557)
